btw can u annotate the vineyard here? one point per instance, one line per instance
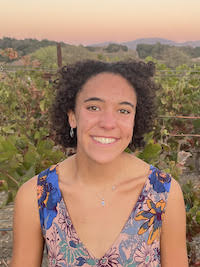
(26, 145)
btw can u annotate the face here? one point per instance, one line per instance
(104, 117)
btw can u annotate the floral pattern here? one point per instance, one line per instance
(145, 255)
(153, 218)
(110, 259)
(55, 256)
(66, 225)
(138, 244)
(161, 181)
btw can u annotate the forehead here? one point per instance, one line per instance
(108, 85)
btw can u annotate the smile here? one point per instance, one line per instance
(104, 140)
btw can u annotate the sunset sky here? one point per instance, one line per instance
(94, 21)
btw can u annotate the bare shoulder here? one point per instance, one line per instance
(28, 188)
(175, 209)
(175, 188)
(173, 235)
(26, 199)
(175, 198)
(136, 166)
(26, 227)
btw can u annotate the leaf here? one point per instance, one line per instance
(7, 129)
(196, 124)
(198, 217)
(150, 152)
(8, 145)
(37, 135)
(31, 157)
(44, 146)
(42, 105)
(28, 174)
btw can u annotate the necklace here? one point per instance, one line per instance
(103, 202)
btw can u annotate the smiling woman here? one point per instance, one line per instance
(104, 117)
(72, 79)
(101, 206)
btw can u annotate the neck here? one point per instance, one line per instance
(93, 174)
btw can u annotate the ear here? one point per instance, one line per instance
(72, 119)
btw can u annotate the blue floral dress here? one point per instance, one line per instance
(138, 244)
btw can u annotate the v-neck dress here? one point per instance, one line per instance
(138, 243)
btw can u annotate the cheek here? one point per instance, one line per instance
(127, 126)
(85, 123)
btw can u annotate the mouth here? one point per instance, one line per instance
(105, 140)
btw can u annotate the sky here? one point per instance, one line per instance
(95, 21)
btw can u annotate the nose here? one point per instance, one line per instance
(108, 120)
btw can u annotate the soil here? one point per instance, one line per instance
(6, 234)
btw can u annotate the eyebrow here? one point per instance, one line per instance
(93, 99)
(101, 100)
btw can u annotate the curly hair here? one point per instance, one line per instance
(71, 81)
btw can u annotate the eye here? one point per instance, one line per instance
(124, 111)
(93, 108)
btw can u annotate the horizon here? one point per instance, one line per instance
(12, 37)
(93, 21)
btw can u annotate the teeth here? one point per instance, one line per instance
(104, 140)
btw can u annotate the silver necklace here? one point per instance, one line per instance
(103, 202)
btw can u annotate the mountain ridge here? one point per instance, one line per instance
(133, 44)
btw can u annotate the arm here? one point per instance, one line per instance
(173, 235)
(27, 234)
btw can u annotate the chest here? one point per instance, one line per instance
(97, 226)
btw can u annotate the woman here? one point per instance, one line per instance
(101, 206)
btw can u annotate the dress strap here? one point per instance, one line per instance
(48, 195)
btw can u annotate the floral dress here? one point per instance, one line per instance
(138, 244)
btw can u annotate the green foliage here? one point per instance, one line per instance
(24, 47)
(93, 48)
(25, 144)
(172, 56)
(47, 56)
(115, 48)
(151, 151)
(192, 203)
(180, 95)
(144, 50)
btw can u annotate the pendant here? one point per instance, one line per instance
(113, 187)
(103, 202)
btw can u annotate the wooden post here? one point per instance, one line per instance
(59, 55)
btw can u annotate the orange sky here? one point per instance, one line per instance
(91, 21)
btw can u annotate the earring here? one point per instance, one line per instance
(71, 132)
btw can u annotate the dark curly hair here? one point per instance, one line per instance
(73, 77)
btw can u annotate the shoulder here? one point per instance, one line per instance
(26, 208)
(135, 166)
(28, 190)
(176, 190)
(26, 197)
(26, 226)
(176, 199)
(175, 213)
(173, 237)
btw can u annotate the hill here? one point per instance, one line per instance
(133, 44)
(25, 46)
